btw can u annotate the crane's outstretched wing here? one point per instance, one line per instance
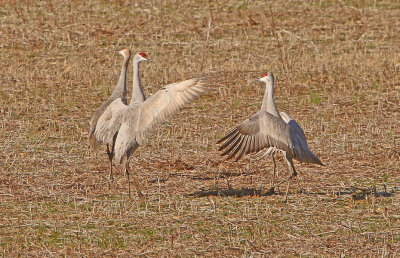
(166, 102)
(110, 121)
(140, 119)
(294, 127)
(256, 133)
(302, 152)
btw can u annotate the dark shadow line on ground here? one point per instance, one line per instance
(200, 178)
(233, 192)
(261, 192)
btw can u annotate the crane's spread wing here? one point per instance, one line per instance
(166, 102)
(110, 121)
(301, 150)
(294, 128)
(256, 133)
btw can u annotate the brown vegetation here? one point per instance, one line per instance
(336, 65)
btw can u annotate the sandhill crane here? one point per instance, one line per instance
(134, 122)
(119, 92)
(269, 129)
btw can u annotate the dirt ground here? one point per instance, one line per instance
(336, 67)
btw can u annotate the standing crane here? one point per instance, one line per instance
(119, 92)
(269, 129)
(134, 122)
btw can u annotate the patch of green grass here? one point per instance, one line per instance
(315, 98)
(149, 232)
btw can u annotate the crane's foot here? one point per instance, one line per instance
(287, 187)
(270, 191)
(138, 190)
(300, 189)
(140, 194)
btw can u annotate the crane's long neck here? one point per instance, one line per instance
(268, 103)
(137, 91)
(121, 90)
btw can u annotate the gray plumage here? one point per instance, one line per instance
(120, 91)
(134, 122)
(269, 129)
(118, 96)
(298, 134)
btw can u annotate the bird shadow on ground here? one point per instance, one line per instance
(356, 193)
(361, 193)
(233, 192)
(197, 177)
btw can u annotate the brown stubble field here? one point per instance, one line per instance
(336, 65)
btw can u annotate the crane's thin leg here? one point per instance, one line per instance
(110, 157)
(127, 174)
(274, 175)
(287, 191)
(298, 184)
(227, 182)
(139, 192)
(292, 175)
(217, 182)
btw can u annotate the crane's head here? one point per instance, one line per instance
(139, 57)
(267, 77)
(125, 52)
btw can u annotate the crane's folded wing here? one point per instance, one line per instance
(110, 121)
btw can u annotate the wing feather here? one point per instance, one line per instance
(243, 149)
(232, 146)
(93, 142)
(110, 121)
(301, 150)
(264, 130)
(140, 119)
(167, 102)
(236, 148)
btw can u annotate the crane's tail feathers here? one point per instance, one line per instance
(310, 157)
(318, 161)
(314, 159)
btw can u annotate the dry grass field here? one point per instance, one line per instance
(337, 71)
